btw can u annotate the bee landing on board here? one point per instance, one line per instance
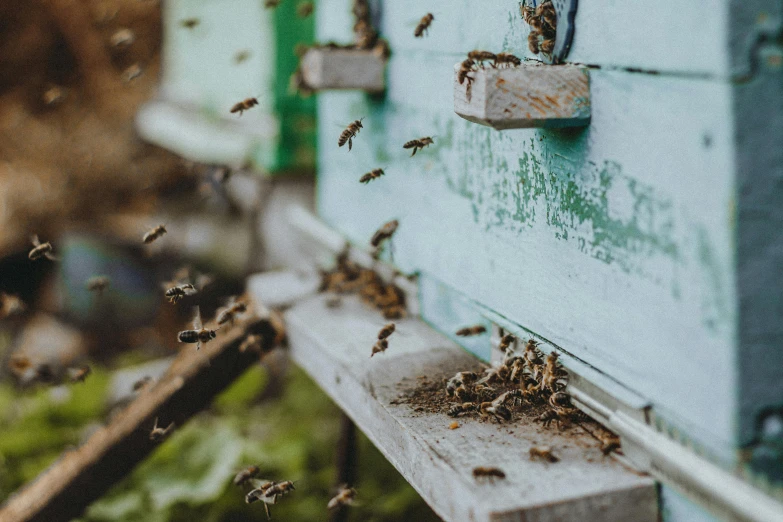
(424, 25)
(231, 310)
(482, 56)
(384, 233)
(471, 330)
(199, 334)
(373, 174)
(543, 453)
(345, 497)
(418, 144)
(157, 434)
(488, 472)
(350, 133)
(97, 284)
(40, 250)
(244, 105)
(245, 475)
(154, 234)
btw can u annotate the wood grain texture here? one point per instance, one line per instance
(327, 69)
(524, 97)
(64, 490)
(333, 345)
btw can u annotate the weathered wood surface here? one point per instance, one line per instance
(338, 69)
(528, 96)
(333, 346)
(63, 491)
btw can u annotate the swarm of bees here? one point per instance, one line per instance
(373, 174)
(350, 133)
(424, 25)
(543, 25)
(418, 144)
(244, 105)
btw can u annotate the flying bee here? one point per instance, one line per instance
(158, 434)
(97, 284)
(418, 144)
(259, 488)
(245, 475)
(141, 383)
(244, 105)
(175, 293)
(459, 409)
(79, 374)
(494, 411)
(350, 133)
(241, 56)
(189, 23)
(345, 497)
(10, 305)
(280, 488)
(488, 472)
(252, 342)
(199, 334)
(40, 250)
(386, 331)
(373, 174)
(154, 234)
(229, 313)
(385, 232)
(471, 330)
(482, 56)
(304, 9)
(507, 59)
(382, 49)
(380, 347)
(543, 453)
(424, 25)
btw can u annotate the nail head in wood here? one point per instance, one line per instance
(326, 68)
(527, 96)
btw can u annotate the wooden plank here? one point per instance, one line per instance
(335, 69)
(333, 346)
(64, 490)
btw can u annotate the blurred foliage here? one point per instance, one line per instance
(189, 476)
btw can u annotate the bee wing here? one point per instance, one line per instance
(51, 257)
(35, 240)
(197, 318)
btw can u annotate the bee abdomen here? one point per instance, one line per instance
(188, 336)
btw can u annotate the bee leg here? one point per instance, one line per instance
(198, 345)
(350, 143)
(414, 151)
(268, 514)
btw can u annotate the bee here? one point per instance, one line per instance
(471, 330)
(345, 497)
(229, 313)
(304, 9)
(385, 232)
(122, 38)
(491, 410)
(424, 25)
(505, 342)
(543, 453)
(244, 105)
(527, 12)
(488, 472)
(418, 144)
(458, 379)
(97, 284)
(361, 9)
(79, 374)
(382, 49)
(560, 400)
(380, 347)
(350, 133)
(609, 444)
(199, 334)
(271, 4)
(157, 434)
(366, 35)
(153, 234)
(373, 174)
(241, 56)
(252, 342)
(386, 331)
(245, 475)
(466, 67)
(547, 46)
(459, 409)
(492, 374)
(553, 374)
(532, 354)
(532, 42)
(189, 23)
(550, 416)
(482, 56)
(131, 73)
(10, 305)
(175, 293)
(463, 394)
(260, 487)
(279, 488)
(517, 368)
(507, 59)
(546, 10)
(40, 250)
(483, 392)
(141, 383)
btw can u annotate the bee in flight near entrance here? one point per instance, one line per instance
(373, 174)
(229, 313)
(345, 497)
(40, 250)
(418, 144)
(424, 25)
(199, 334)
(350, 133)
(175, 293)
(244, 105)
(384, 233)
(154, 234)
(245, 475)
(471, 330)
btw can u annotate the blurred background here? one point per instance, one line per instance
(94, 137)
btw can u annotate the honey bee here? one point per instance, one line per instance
(131, 73)
(609, 444)
(471, 330)
(122, 38)
(550, 416)
(553, 373)
(466, 67)
(350, 133)
(507, 59)
(79, 374)
(492, 374)
(10, 305)
(459, 409)
(157, 434)
(245, 475)
(385, 232)
(491, 410)
(482, 56)
(40, 250)
(241, 56)
(463, 394)
(229, 313)
(189, 23)
(175, 293)
(382, 49)
(546, 10)
(543, 453)
(505, 342)
(244, 105)
(199, 334)
(304, 9)
(154, 234)
(361, 9)
(532, 42)
(381, 346)
(488, 472)
(560, 400)
(386, 331)
(271, 4)
(418, 144)
(259, 488)
(344, 497)
(517, 368)
(279, 488)
(141, 383)
(527, 12)
(547, 46)
(97, 284)
(373, 174)
(366, 35)
(424, 25)
(459, 379)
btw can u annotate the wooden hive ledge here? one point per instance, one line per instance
(530, 95)
(325, 68)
